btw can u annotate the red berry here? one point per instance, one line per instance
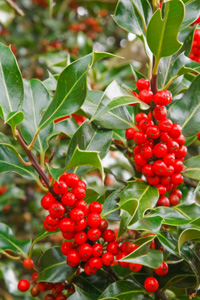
(121, 263)
(94, 234)
(153, 132)
(68, 235)
(144, 124)
(147, 170)
(172, 147)
(139, 117)
(80, 238)
(49, 297)
(181, 153)
(130, 132)
(95, 207)
(164, 137)
(73, 258)
(177, 193)
(161, 189)
(198, 135)
(176, 130)
(108, 235)
(94, 219)
(95, 263)
(97, 250)
(88, 270)
(82, 205)
(50, 228)
(173, 199)
(170, 171)
(178, 166)
(162, 270)
(165, 180)
(169, 159)
(153, 180)
(35, 291)
(159, 112)
(60, 187)
(85, 251)
(45, 286)
(147, 152)
(140, 160)
(67, 225)
(159, 168)
(59, 287)
(107, 259)
(163, 201)
(130, 247)
(146, 96)
(28, 263)
(177, 178)
(180, 140)
(160, 150)
(162, 97)
(151, 284)
(79, 192)
(135, 267)
(34, 277)
(165, 125)
(23, 285)
(143, 84)
(81, 225)
(47, 201)
(140, 137)
(61, 297)
(71, 180)
(104, 225)
(68, 199)
(76, 214)
(51, 221)
(113, 248)
(56, 210)
(66, 247)
(81, 184)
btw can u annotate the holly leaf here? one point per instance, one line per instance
(11, 86)
(186, 110)
(53, 266)
(152, 224)
(188, 234)
(162, 32)
(8, 241)
(192, 168)
(80, 294)
(36, 99)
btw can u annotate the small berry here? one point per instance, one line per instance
(88, 270)
(160, 150)
(35, 291)
(162, 98)
(130, 132)
(113, 248)
(163, 201)
(97, 250)
(139, 117)
(93, 234)
(107, 259)
(67, 225)
(80, 238)
(94, 219)
(47, 201)
(122, 263)
(140, 160)
(165, 125)
(68, 199)
(95, 207)
(135, 267)
(85, 251)
(95, 263)
(108, 235)
(159, 112)
(28, 263)
(71, 180)
(51, 221)
(153, 180)
(79, 192)
(173, 199)
(159, 168)
(151, 284)
(73, 258)
(177, 178)
(23, 285)
(153, 132)
(176, 130)
(140, 137)
(162, 270)
(60, 187)
(146, 96)
(76, 214)
(143, 84)
(57, 210)
(147, 170)
(81, 225)
(66, 247)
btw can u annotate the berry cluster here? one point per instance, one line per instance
(159, 145)
(195, 51)
(55, 288)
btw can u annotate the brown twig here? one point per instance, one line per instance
(110, 270)
(190, 182)
(34, 162)
(15, 7)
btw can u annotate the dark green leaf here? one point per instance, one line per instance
(152, 259)
(168, 242)
(186, 110)
(118, 118)
(192, 168)
(192, 11)
(110, 206)
(80, 294)
(152, 224)
(53, 266)
(162, 33)
(11, 87)
(36, 100)
(67, 127)
(188, 235)
(8, 241)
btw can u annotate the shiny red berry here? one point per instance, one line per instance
(151, 284)
(147, 170)
(113, 248)
(153, 180)
(28, 263)
(76, 214)
(162, 270)
(130, 132)
(93, 234)
(104, 225)
(97, 250)
(153, 132)
(85, 251)
(146, 96)
(80, 238)
(67, 225)
(140, 137)
(95, 263)
(169, 159)
(60, 187)
(161, 189)
(68, 199)
(81, 225)
(23, 285)
(140, 160)
(82, 205)
(162, 98)
(73, 258)
(159, 168)
(173, 199)
(57, 210)
(52, 221)
(165, 125)
(71, 179)
(177, 179)
(47, 201)
(107, 259)
(139, 117)
(108, 235)
(163, 201)
(94, 219)
(143, 84)
(88, 270)
(144, 124)
(160, 150)
(79, 192)
(135, 267)
(175, 131)
(159, 112)
(121, 263)
(66, 247)
(95, 207)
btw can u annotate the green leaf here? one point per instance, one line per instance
(127, 214)
(50, 83)
(85, 158)
(162, 32)
(70, 92)
(118, 118)
(192, 11)
(186, 110)
(7, 13)
(113, 97)
(110, 206)
(36, 99)
(133, 16)
(152, 224)
(145, 194)
(80, 294)
(8, 241)
(168, 242)
(124, 288)
(9, 162)
(152, 259)
(53, 266)
(11, 86)
(67, 127)
(192, 168)
(188, 235)
(42, 235)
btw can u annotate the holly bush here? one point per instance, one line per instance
(101, 194)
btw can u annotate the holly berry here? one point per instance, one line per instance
(35, 291)
(47, 201)
(28, 263)
(135, 267)
(130, 132)
(56, 210)
(73, 258)
(163, 201)
(108, 235)
(76, 214)
(143, 84)
(79, 192)
(60, 187)
(153, 132)
(85, 251)
(80, 238)
(107, 259)
(97, 250)
(151, 284)
(95, 263)
(139, 117)
(71, 179)
(94, 219)
(67, 225)
(146, 96)
(23, 285)
(66, 247)
(162, 98)
(95, 207)
(68, 199)
(162, 270)
(159, 112)
(93, 234)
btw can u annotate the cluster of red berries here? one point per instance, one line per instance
(195, 51)
(159, 150)
(55, 288)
